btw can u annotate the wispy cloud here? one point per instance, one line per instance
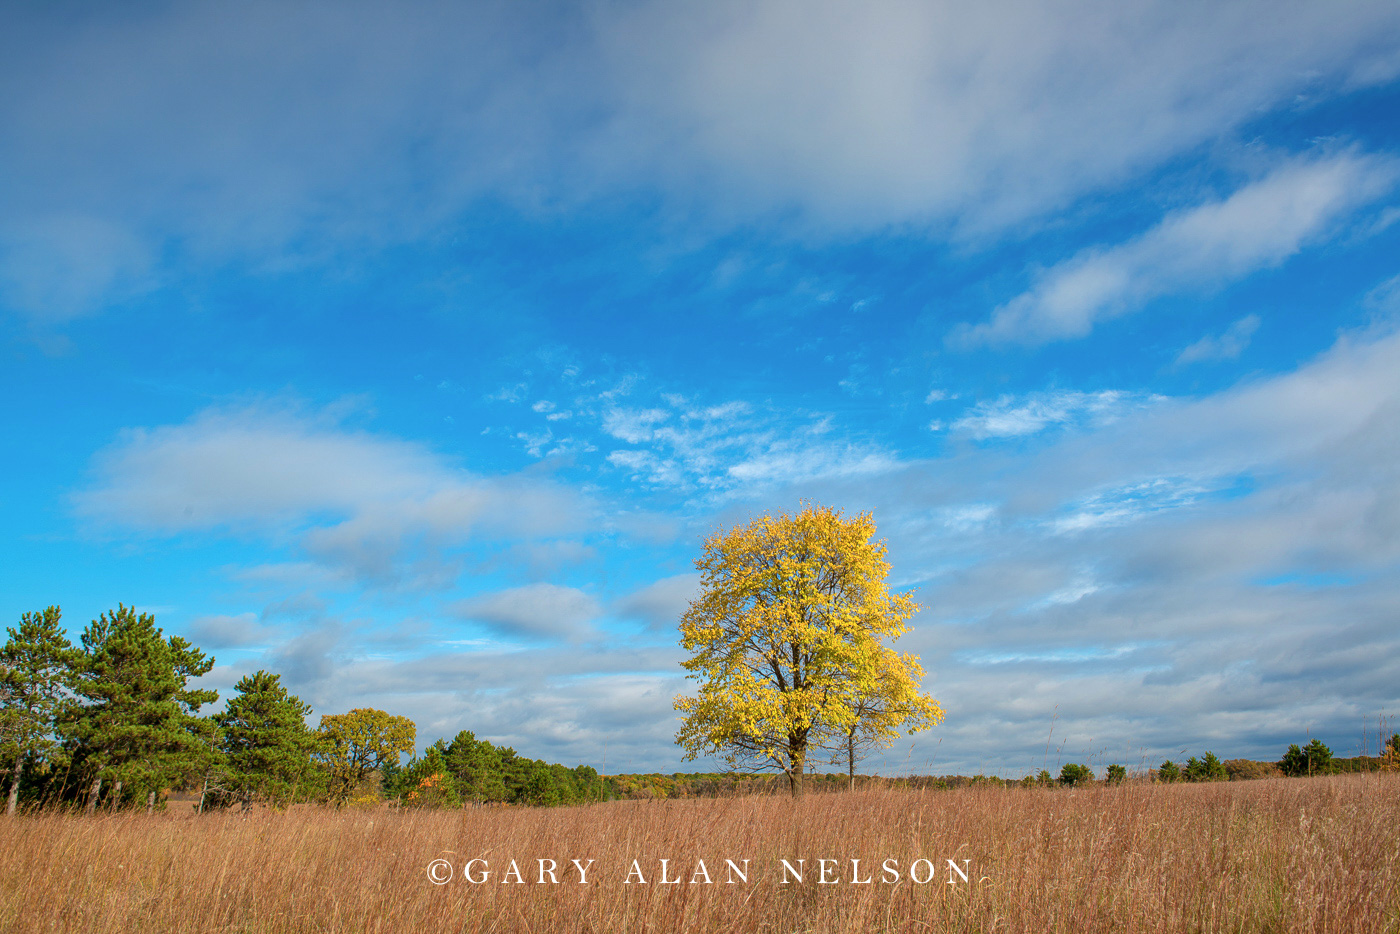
(1198, 248)
(384, 510)
(1226, 346)
(1013, 416)
(733, 448)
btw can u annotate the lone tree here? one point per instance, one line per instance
(788, 643)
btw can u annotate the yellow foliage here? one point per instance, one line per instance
(788, 641)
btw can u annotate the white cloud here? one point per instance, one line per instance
(660, 603)
(216, 632)
(275, 133)
(633, 425)
(534, 611)
(1129, 502)
(1226, 346)
(385, 510)
(1199, 248)
(732, 448)
(1012, 416)
(907, 111)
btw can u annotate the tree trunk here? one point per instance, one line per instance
(851, 759)
(150, 802)
(799, 762)
(202, 790)
(14, 787)
(92, 795)
(116, 796)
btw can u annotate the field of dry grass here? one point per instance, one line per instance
(1276, 855)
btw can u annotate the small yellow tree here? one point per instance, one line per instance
(788, 642)
(881, 705)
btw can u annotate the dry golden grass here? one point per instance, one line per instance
(1276, 855)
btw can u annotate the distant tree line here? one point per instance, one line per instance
(1297, 762)
(114, 721)
(471, 771)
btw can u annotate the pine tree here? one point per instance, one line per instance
(134, 722)
(427, 783)
(477, 766)
(1208, 769)
(34, 670)
(1313, 759)
(265, 742)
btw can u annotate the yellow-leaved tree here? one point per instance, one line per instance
(788, 639)
(356, 744)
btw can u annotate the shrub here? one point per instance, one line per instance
(434, 791)
(1073, 774)
(1241, 770)
(1169, 772)
(1116, 775)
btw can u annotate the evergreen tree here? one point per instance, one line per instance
(1169, 772)
(1073, 774)
(426, 782)
(134, 722)
(34, 670)
(1313, 759)
(477, 768)
(265, 742)
(1209, 769)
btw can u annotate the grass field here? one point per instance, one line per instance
(1283, 855)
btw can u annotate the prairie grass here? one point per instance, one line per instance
(1300, 855)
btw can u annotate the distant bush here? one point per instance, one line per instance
(1116, 775)
(1074, 774)
(1241, 770)
(1360, 764)
(1169, 772)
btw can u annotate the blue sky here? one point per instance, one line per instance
(410, 350)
